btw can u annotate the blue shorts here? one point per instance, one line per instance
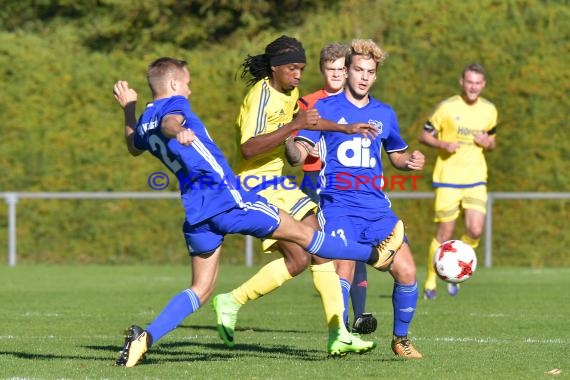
(361, 229)
(259, 218)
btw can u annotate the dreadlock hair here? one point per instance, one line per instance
(282, 51)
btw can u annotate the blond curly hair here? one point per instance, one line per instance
(367, 48)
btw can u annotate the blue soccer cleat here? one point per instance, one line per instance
(452, 289)
(429, 294)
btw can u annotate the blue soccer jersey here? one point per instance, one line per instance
(207, 183)
(351, 177)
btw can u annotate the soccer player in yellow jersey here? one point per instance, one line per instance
(461, 128)
(266, 120)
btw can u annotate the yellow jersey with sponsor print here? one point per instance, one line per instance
(455, 120)
(264, 110)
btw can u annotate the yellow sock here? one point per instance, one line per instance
(327, 284)
(431, 278)
(269, 278)
(473, 243)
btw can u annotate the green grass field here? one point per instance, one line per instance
(66, 322)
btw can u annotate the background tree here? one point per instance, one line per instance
(62, 130)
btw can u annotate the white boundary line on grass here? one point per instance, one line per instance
(487, 340)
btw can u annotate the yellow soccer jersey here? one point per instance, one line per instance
(455, 120)
(264, 110)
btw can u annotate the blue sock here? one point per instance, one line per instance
(345, 287)
(404, 301)
(180, 306)
(358, 289)
(332, 247)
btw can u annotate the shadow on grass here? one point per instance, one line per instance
(182, 351)
(36, 356)
(247, 328)
(218, 351)
(179, 351)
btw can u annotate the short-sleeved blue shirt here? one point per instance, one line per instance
(351, 178)
(207, 183)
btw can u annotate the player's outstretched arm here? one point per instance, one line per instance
(365, 129)
(127, 99)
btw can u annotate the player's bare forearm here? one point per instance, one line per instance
(398, 160)
(407, 161)
(266, 142)
(127, 98)
(130, 125)
(130, 142)
(430, 140)
(130, 122)
(364, 129)
(485, 141)
(129, 113)
(492, 145)
(311, 120)
(171, 127)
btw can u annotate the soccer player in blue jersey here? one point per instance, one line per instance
(353, 205)
(332, 66)
(462, 128)
(214, 204)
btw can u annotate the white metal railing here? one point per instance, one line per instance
(12, 198)
(510, 196)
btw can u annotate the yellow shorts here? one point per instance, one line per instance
(449, 201)
(289, 199)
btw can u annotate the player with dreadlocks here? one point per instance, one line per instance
(269, 115)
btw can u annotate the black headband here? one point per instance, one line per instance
(297, 56)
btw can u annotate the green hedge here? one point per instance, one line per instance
(63, 131)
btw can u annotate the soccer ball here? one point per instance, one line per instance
(455, 261)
